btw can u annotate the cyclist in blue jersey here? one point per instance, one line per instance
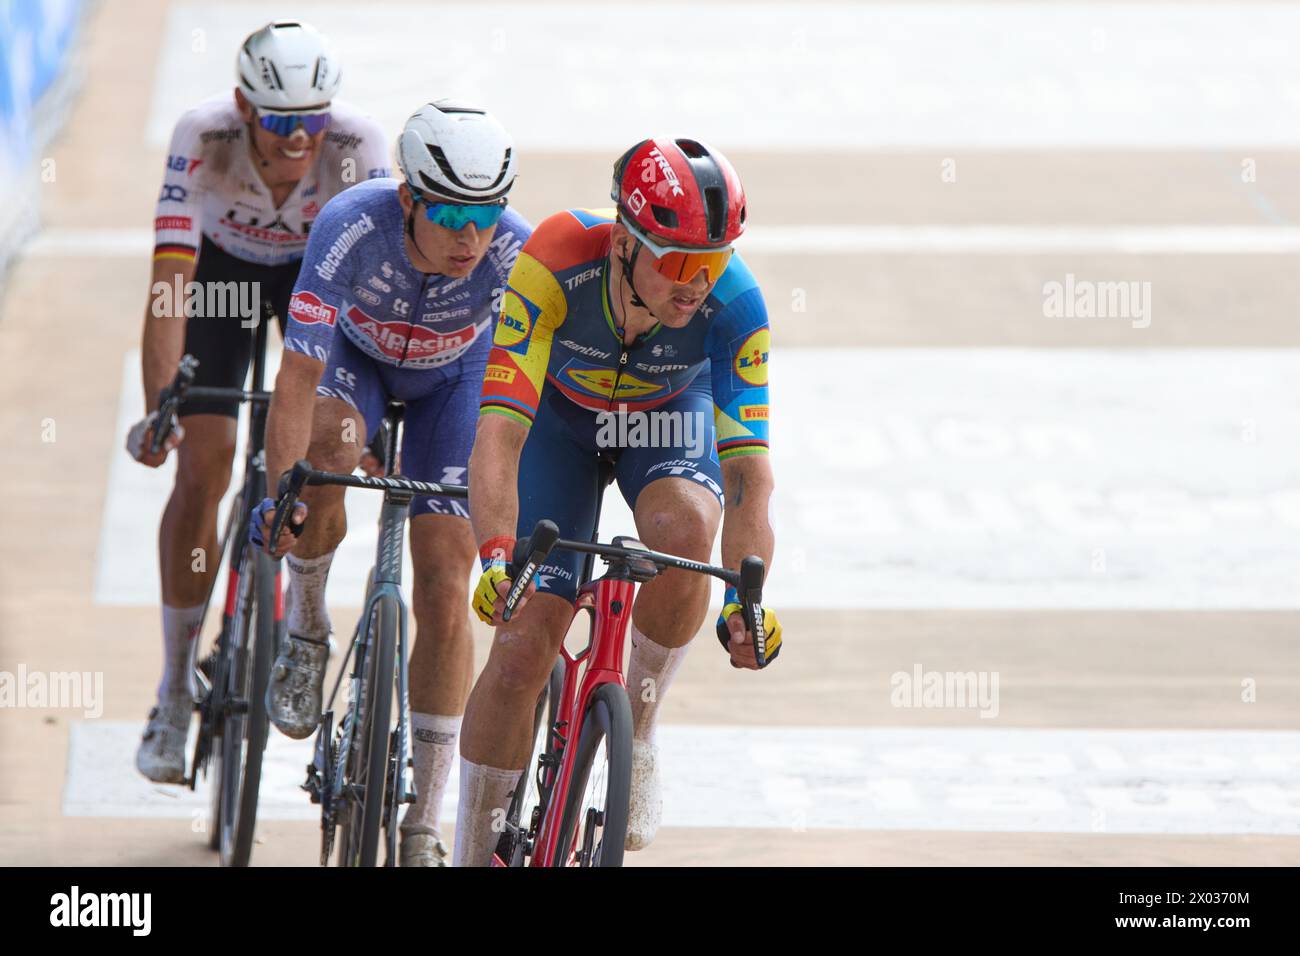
(637, 335)
(400, 284)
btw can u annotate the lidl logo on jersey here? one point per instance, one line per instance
(307, 308)
(600, 381)
(752, 358)
(516, 323)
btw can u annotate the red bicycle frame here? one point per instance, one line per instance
(609, 600)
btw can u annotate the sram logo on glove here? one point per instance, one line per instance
(307, 308)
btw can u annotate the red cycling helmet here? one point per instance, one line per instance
(680, 192)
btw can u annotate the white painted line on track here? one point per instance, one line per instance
(978, 75)
(960, 478)
(1046, 781)
(842, 239)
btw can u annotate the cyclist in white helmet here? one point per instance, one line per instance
(247, 173)
(401, 285)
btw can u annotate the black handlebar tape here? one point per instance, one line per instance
(533, 550)
(291, 485)
(751, 598)
(169, 397)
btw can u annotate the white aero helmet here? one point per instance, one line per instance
(457, 153)
(288, 65)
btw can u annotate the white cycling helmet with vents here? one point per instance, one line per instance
(288, 65)
(457, 153)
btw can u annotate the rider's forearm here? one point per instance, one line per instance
(494, 477)
(163, 339)
(746, 523)
(288, 424)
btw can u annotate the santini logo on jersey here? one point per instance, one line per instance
(348, 238)
(584, 349)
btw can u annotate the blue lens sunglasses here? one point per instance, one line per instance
(283, 124)
(456, 217)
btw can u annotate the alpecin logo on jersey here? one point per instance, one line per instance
(403, 342)
(307, 308)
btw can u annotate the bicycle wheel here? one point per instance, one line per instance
(253, 639)
(594, 823)
(529, 792)
(369, 759)
(213, 706)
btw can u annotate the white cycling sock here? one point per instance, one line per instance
(484, 798)
(307, 616)
(180, 628)
(650, 671)
(433, 747)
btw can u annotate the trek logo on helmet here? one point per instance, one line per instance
(674, 184)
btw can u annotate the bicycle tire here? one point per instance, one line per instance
(363, 847)
(240, 820)
(608, 718)
(215, 696)
(544, 717)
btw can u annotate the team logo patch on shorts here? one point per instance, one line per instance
(307, 308)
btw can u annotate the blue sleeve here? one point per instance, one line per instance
(324, 278)
(739, 354)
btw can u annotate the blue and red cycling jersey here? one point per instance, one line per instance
(407, 335)
(556, 332)
(356, 276)
(558, 363)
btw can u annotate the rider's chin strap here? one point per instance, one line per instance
(410, 228)
(628, 265)
(252, 142)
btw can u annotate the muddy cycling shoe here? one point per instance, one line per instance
(161, 757)
(647, 803)
(293, 694)
(422, 846)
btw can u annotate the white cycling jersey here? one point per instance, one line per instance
(211, 188)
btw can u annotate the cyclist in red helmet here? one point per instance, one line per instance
(636, 334)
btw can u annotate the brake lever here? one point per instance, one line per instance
(529, 554)
(169, 399)
(291, 486)
(751, 604)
